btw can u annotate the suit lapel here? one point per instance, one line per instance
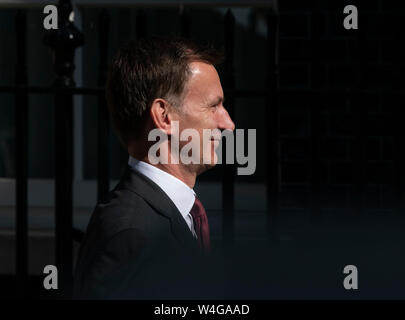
(159, 200)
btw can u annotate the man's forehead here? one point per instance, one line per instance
(204, 79)
(198, 67)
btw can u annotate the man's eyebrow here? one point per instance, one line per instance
(218, 100)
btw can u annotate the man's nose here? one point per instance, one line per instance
(225, 121)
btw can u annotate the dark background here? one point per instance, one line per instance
(328, 188)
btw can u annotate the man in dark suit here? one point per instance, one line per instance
(150, 237)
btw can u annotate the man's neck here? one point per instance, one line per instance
(176, 170)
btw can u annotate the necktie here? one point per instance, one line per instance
(201, 225)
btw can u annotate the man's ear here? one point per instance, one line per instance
(160, 115)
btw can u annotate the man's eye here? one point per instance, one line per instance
(215, 107)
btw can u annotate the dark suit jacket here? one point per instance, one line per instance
(138, 246)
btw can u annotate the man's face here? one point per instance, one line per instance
(203, 108)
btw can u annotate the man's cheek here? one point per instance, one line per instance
(209, 155)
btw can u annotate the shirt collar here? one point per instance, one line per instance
(181, 194)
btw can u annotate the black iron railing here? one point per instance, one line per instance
(314, 99)
(21, 157)
(63, 42)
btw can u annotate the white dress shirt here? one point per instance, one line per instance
(181, 194)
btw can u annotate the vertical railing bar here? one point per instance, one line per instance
(103, 176)
(273, 179)
(252, 22)
(21, 160)
(64, 41)
(399, 155)
(140, 25)
(359, 152)
(360, 131)
(228, 188)
(315, 116)
(399, 141)
(185, 22)
(78, 105)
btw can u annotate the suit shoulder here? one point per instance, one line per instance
(123, 209)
